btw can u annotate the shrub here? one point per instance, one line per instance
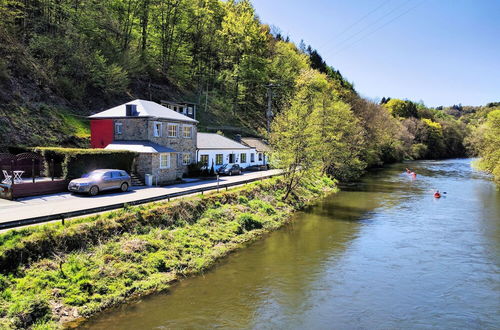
(76, 162)
(249, 221)
(418, 151)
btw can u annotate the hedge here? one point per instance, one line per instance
(70, 163)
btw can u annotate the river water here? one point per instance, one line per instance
(381, 254)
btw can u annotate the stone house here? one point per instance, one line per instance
(164, 139)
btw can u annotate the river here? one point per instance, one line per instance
(381, 254)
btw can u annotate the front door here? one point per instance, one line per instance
(231, 158)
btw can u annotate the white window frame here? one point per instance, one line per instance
(261, 155)
(190, 131)
(118, 128)
(252, 157)
(184, 159)
(157, 133)
(176, 130)
(167, 155)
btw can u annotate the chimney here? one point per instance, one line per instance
(237, 138)
(130, 110)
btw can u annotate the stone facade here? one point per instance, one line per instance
(143, 129)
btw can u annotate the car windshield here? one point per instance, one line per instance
(93, 175)
(223, 166)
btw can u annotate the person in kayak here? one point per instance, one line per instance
(413, 175)
(437, 194)
(408, 171)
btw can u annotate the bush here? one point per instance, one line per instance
(418, 151)
(249, 222)
(73, 163)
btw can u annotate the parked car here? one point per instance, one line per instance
(257, 168)
(228, 169)
(100, 180)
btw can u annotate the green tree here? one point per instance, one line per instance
(400, 108)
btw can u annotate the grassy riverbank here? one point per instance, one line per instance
(55, 274)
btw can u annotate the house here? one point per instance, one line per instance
(185, 108)
(217, 150)
(261, 146)
(164, 139)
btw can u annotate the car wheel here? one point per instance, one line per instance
(230, 173)
(124, 187)
(239, 172)
(94, 190)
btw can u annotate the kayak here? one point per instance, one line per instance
(437, 195)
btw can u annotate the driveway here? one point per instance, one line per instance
(30, 207)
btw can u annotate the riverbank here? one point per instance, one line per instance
(55, 274)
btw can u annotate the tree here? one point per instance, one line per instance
(400, 108)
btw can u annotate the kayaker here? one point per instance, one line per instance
(408, 170)
(437, 194)
(413, 175)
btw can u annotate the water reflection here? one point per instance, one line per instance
(383, 253)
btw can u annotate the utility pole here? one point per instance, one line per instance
(269, 112)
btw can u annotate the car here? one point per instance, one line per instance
(100, 180)
(229, 169)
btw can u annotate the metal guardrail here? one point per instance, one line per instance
(66, 215)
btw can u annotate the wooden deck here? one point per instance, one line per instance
(40, 187)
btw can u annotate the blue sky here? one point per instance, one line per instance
(442, 52)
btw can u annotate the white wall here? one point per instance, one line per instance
(225, 159)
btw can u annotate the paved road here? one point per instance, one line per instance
(29, 207)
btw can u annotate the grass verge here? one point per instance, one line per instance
(54, 274)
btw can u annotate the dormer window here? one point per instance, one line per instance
(157, 129)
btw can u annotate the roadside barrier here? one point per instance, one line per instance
(66, 215)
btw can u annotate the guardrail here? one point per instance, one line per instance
(66, 215)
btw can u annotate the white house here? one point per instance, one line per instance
(219, 150)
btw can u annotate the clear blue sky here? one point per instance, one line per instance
(442, 52)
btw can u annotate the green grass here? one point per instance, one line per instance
(53, 274)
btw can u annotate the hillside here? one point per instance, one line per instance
(62, 60)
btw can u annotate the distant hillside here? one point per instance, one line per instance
(62, 60)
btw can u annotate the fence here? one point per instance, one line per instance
(66, 215)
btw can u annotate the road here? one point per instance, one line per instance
(30, 207)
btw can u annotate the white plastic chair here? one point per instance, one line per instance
(8, 178)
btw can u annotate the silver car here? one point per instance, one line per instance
(99, 180)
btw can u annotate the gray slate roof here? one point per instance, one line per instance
(144, 109)
(139, 146)
(217, 141)
(259, 144)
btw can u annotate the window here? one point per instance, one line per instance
(172, 130)
(231, 158)
(118, 128)
(186, 159)
(243, 158)
(190, 110)
(204, 159)
(218, 159)
(252, 157)
(186, 132)
(260, 156)
(164, 160)
(157, 128)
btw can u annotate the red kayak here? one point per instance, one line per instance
(437, 195)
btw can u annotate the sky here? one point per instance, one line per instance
(441, 52)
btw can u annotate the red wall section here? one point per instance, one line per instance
(101, 133)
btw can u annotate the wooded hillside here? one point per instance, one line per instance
(61, 59)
